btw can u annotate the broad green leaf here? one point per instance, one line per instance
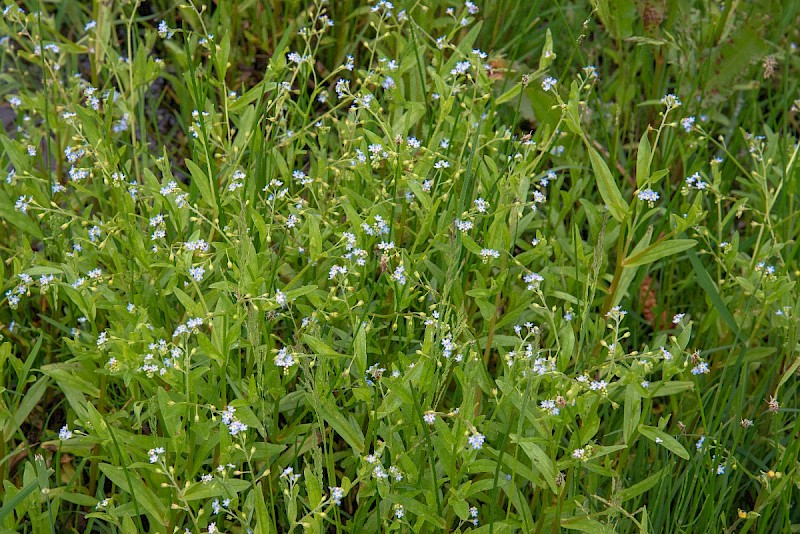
(260, 89)
(788, 373)
(15, 501)
(641, 487)
(656, 176)
(607, 186)
(360, 351)
(566, 336)
(629, 273)
(216, 488)
(315, 238)
(633, 412)
(333, 416)
(664, 439)
(313, 487)
(604, 450)
(21, 220)
(471, 245)
(186, 301)
(618, 16)
(204, 184)
(547, 56)
(658, 250)
(39, 270)
(510, 94)
(29, 402)
(540, 461)
(263, 520)
(417, 508)
(74, 497)
(143, 494)
(711, 290)
(671, 388)
(319, 347)
(300, 291)
(67, 374)
(14, 152)
(246, 415)
(586, 524)
(572, 117)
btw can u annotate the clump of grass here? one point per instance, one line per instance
(370, 267)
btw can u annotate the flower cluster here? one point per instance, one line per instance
(284, 359)
(649, 196)
(476, 440)
(190, 326)
(695, 181)
(234, 425)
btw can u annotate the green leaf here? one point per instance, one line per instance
(20, 220)
(14, 153)
(711, 290)
(540, 461)
(313, 488)
(605, 450)
(15, 501)
(261, 88)
(591, 423)
(547, 56)
(418, 509)
(566, 335)
(671, 388)
(144, 495)
(664, 439)
(216, 488)
(734, 57)
(203, 183)
(510, 94)
(617, 16)
(471, 245)
(300, 291)
(586, 524)
(38, 270)
(640, 487)
(633, 412)
(186, 301)
(263, 520)
(69, 375)
(333, 417)
(315, 238)
(643, 523)
(658, 250)
(246, 415)
(171, 416)
(607, 186)
(656, 176)
(319, 347)
(573, 117)
(788, 373)
(360, 351)
(629, 273)
(74, 497)
(31, 399)
(487, 308)
(465, 45)
(643, 161)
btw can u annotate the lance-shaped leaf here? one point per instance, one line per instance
(658, 250)
(608, 186)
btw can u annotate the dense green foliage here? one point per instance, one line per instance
(422, 267)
